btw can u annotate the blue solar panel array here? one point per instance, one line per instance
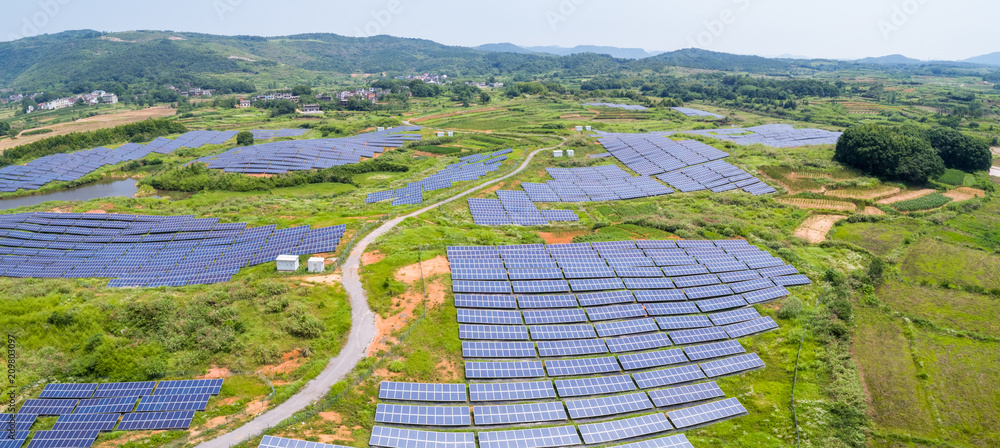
(267, 134)
(687, 165)
(468, 168)
(72, 166)
(687, 111)
(515, 208)
(146, 251)
(774, 135)
(601, 183)
(303, 155)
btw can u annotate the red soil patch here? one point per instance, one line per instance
(293, 360)
(404, 311)
(332, 279)
(562, 237)
(215, 372)
(331, 417)
(371, 258)
(429, 268)
(965, 193)
(873, 211)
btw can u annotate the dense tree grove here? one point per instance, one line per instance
(4, 128)
(960, 151)
(889, 152)
(142, 131)
(244, 138)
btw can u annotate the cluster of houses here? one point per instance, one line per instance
(426, 77)
(483, 85)
(191, 92)
(18, 98)
(92, 98)
(372, 94)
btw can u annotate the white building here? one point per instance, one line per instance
(287, 263)
(317, 265)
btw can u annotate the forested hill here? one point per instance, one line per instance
(79, 60)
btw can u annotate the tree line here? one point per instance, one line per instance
(142, 131)
(198, 177)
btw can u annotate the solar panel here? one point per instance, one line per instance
(616, 312)
(114, 405)
(485, 349)
(43, 406)
(639, 342)
(586, 366)
(605, 298)
(519, 413)
(391, 390)
(625, 429)
(185, 402)
(63, 439)
(547, 301)
(22, 422)
(156, 420)
(495, 317)
(485, 301)
(422, 415)
(594, 386)
(409, 438)
(674, 441)
(653, 296)
(577, 347)
(562, 316)
(747, 328)
(493, 332)
(714, 350)
(721, 303)
(108, 390)
(765, 295)
(619, 328)
(683, 322)
(647, 360)
(551, 332)
(530, 438)
(519, 369)
(791, 280)
(729, 366)
(682, 337)
(682, 395)
(734, 316)
(86, 422)
(708, 412)
(534, 390)
(604, 406)
(210, 387)
(671, 309)
(68, 390)
(279, 442)
(667, 377)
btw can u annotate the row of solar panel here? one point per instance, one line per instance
(469, 168)
(774, 135)
(80, 431)
(558, 436)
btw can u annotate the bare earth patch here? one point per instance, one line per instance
(815, 228)
(331, 417)
(410, 304)
(965, 193)
(906, 196)
(332, 279)
(562, 237)
(92, 124)
(873, 211)
(429, 268)
(215, 372)
(371, 258)
(292, 361)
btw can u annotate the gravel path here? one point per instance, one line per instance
(362, 329)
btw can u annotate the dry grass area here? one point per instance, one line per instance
(906, 196)
(561, 237)
(865, 193)
(965, 193)
(92, 124)
(405, 309)
(425, 269)
(873, 211)
(819, 204)
(815, 228)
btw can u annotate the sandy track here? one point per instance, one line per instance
(815, 228)
(92, 124)
(906, 196)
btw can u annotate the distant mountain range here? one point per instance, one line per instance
(86, 60)
(615, 52)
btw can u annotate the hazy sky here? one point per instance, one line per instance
(923, 29)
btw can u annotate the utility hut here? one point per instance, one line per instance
(317, 265)
(287, 263)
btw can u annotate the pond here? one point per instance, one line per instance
(106, 189)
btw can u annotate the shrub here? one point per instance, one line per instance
(302, 324)
(244, 138)
(790, 309)
(842, 308)
(60, 319)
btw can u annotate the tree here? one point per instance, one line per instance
(4, 128)
(484, 98)
(898, 153)
(244, 138)
(302, 90)
(960, 151)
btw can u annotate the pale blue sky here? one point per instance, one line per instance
(923, 29)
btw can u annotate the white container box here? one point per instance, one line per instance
(579, 128)
(570, 152)
(557, 153)
(440, 134)
(588, 128)
(317, 265)
(451, 133)
(287, 263)
(380, 129)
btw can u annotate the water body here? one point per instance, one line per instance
(106, 189)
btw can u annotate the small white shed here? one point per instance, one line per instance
(451, 133)
(380, 129)
(579, 128)
(317, 264)
(570, 152)
(589, 128)
(287, 263)
(440, 134)
(557, 153)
